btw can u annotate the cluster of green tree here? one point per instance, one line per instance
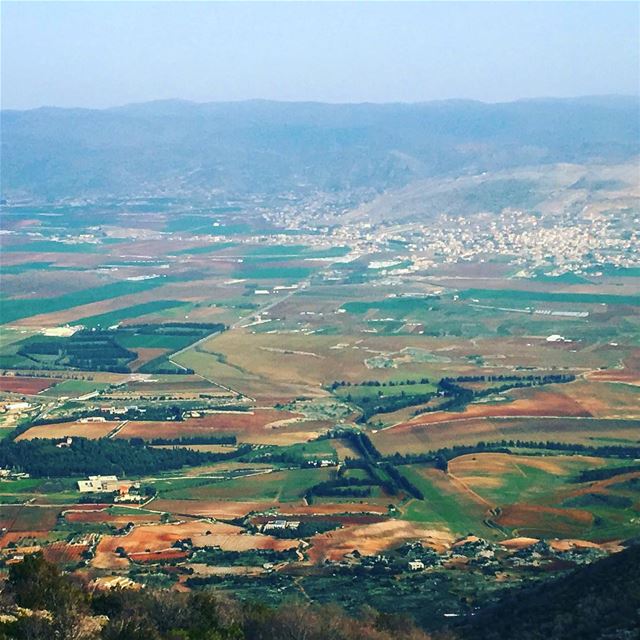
(307, 529)
(151, 412)
(87, 350)
(373, 405)
(361, 442)
(458, 396)
(384, 475)
(336, 384)
(440, 457)
(592, 475)
(163, 366)
(196, 329)
(381, 471)
(71, 611)
(551, 378)
(182, 334)
(51, 374)
(340, 486)
(401, 482)
(284, 457)
(254, 557)
(600, 451)
(187, 440)
(42, 458)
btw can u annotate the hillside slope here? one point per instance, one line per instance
(598, 601)
(260, 147)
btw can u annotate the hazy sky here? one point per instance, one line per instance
(97, 54)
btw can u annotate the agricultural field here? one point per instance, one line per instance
(282, 406)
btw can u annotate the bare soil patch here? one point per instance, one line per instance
(27, 386)
(370, 539)
(91, 430)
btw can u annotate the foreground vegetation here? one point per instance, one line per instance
(595, 602)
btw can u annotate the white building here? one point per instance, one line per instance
(98, 483)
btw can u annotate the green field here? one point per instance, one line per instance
(281, 486)
(443, 505)
(520, 296)
(75, 388)
(135, 311)
(257, 272)
(15, 269)
(357, 392)
(399, 306)
(51, 246)
(17, 308)
(279, 252)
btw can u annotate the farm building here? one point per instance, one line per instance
(98, 483)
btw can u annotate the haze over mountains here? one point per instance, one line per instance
(260, 147)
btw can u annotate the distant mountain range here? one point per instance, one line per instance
(261, 147)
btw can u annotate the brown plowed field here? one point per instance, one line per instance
(614, 375)
(25, 385)
(606, 399)
(148, 538)
(21, 518)
(234, 509)
(497, 464)
(15, 537)
(533, 520)
(233, 422)
(61, 552)
(91, 430)
(416, 438)
(145, 355)
(370, 539)
(158, 556)
(151, 539)
(536, 403)
(105, 516)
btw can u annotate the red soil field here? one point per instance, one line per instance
(145, 355)
(537, 403)
(234, 422)
(158, 556)
(149, 538)
(544, 521)
(25, 385)
(16, 536)
(417, 438)
(61, 552)
(615, 375)
(104, 516)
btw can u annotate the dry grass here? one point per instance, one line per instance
(370, 539)
(91, 430)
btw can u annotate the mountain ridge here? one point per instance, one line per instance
(265, 147)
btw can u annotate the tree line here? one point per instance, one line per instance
(43, 459)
